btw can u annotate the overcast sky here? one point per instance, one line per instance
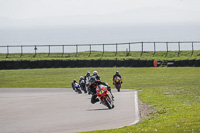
(97, 12)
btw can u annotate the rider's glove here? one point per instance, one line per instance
(108, 88)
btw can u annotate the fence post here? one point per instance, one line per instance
(129, 48)
(76, 50)
(49, 49)
(35, 50)
(179, 47)
(21, 51)
(90, 49)
(7, 51)
(142, 49)
(167, 48)
(116, 50)
(63, 50)
(154, 48)
(192, 48)
(103, 50)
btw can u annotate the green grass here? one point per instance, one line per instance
(173, 94)
(149, 55)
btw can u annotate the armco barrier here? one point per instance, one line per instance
(88, 63)
(2, 64)
(33, 64)
(17, 64)
(104, 63)
(96, 63)
(92, 63)
(57, 64)
(42, 63)
(127, 63)
(65, 63)
(25, 64)
(149, 63)
(191, 63)
(142, 63)
(50, 63)
(197, 63)
(8, 64)
(170, 63)
(73, 63)
(135, 63)
(111, 63)
(119, 63)
(80, 63)
(177, 63)
(184, 63)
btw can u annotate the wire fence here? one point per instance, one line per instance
(128, 47)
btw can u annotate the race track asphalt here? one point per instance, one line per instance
(61, 110)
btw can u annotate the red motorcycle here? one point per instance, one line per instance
(117, 83)
(105, 96)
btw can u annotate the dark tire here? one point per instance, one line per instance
(118, 87)
(79, 91)
(108, 103)
(84, 89)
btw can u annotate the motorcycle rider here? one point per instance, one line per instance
(87, 78)
(81, 78)
(73, 83)
(117, 74)
(95, 73)
(93, 85)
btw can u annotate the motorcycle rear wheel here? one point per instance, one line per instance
(84, 89)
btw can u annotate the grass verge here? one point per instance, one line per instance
(173, 94)
(146, 55)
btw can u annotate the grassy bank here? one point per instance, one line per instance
(147, 55)
(173, 94)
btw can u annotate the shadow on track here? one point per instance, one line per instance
(97, 109)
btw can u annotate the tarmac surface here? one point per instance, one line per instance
(61, 110)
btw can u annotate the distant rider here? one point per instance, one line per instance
(81, 84)
(81, 78)
(73, 83)
(87, 78)
(93, 85)
(117, 75)
(95, 73)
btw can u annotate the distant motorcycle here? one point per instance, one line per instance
(105, 96)
(117, 83)
(77, 88)
(83, 87)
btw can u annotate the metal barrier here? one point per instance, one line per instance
(25, 64)
(88, 47)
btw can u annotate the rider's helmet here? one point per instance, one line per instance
(74, 80)
(117, 72)
(95, 73)
(92, 80)
(88, 74)
(81, 77)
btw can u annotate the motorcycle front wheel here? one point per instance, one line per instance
(108, 102)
